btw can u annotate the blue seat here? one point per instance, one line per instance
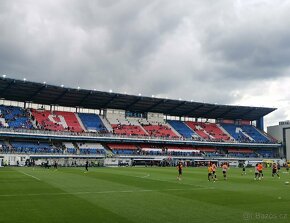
(33, 147)
(16, 117)
(241, 133)
(182, 129)
(92, 122)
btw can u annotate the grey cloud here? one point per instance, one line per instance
(253, 47)
(213, 52)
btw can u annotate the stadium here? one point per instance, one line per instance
(59, 146)
(52, 125)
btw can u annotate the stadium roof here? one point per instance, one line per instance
(45, 94)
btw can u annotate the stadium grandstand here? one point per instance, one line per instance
(43, 122)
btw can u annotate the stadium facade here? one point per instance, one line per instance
(281, 132)
(42, 122)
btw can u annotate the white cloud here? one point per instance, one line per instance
(270, 94)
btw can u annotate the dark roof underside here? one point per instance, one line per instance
(44, 94)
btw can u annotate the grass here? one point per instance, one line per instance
(140, 195)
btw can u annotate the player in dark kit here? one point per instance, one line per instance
(87, 165)
(275, 170)
(257, 174)
(244, 169)
(55, 165)
(179, 168)
(214, 167)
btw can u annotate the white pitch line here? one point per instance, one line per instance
(36, 178)
(148, 175)
(102, 192)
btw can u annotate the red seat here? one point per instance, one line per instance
(160, 131)
(208, 131)
(129, 130)
(57, 121)
(121, 146)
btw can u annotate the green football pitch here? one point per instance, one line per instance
(140, 194)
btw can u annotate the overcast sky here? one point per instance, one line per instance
(227, 51)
